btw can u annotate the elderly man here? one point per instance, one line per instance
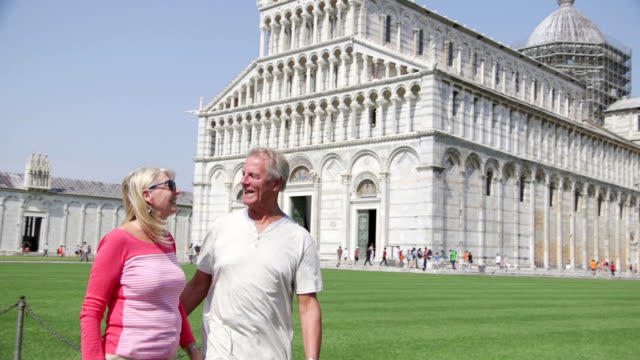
(251, 264)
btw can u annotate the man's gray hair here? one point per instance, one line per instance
(277, 167)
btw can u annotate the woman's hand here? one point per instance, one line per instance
(193, 351)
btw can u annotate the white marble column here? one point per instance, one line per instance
(263, 31)
(283, 132)
(618, 234)
(559, 225)
(310, 68)
(395, 123)
(293, 130)
(333, 127)
(368, 108)
(572, 228)
(384, 179)
(381, 125)
(532, 220)
(81, 225)
(294, 25)
(482, 219)
(346, 122)
(516, 219)
(585, 235)
(320, 83)
(346, 182)
(333, 62)
(306, 133)
(114, 218)
(500, 216)
(98, 223)
(273, 128)
(547, 223)
(316, 133)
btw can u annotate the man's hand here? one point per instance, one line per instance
(195, 291)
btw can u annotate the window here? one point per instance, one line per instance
(450, 54)
(454, 104)
(576, 200)
(638, 123)
(420, 42)
(522, 188)
(551, 191)
(517, 84)
(599, 205)
(494, 115)
(474, 64)
(374, 116)
(535, 90)
(387, 30)
(476, 108)
(553, 98)
(497, 75)
(489, 181)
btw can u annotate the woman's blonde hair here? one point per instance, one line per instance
(137, 208)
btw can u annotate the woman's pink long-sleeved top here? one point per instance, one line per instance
(141, 284)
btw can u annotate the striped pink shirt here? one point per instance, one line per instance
(141, 284)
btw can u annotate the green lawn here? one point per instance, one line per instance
(371, 315)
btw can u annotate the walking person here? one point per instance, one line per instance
(369, 256)
(612, 267)
(453, 255)
(248, 308)
(356, 256)
(136, 276)
(339, 253)
(384, 257)
(46, 250)
(84, 251)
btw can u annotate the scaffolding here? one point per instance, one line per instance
(605, 68)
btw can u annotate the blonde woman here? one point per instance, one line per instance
(136, 276)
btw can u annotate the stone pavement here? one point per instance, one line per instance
(486, 271)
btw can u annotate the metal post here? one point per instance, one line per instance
(21, 305)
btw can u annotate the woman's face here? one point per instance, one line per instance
(161, 198)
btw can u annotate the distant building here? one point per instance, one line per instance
(405, 128)
(37, 209)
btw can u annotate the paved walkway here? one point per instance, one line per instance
(487, 271)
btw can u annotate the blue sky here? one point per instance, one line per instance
(103, 87)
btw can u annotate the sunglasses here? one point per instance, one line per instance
(170, 183)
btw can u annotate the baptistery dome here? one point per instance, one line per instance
(566, 25)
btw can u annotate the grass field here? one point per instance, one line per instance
(369, 315)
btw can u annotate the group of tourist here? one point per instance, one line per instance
(248, 305)
(603, 267)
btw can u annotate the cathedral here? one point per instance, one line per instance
(405, 128)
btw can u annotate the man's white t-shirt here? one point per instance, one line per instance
(248, 310)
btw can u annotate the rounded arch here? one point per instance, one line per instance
(330, 157)
(472, 164)
(451, 155)
(397, 151)
(361, 179)
(492, 165)
(509, 171)
(361, 153)
(300, 159)
(218, 169)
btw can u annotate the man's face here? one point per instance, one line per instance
(258, 190)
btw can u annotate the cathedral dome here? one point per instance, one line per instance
(566, 25)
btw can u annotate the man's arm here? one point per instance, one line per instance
(311, 324)
(195, 291)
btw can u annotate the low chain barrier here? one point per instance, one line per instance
(22, 306)
(9, 309)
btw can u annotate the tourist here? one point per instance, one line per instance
(369, 256)
(339, 253)
(593, 266)
(452, 258)
(84, 252)
(190, 252)
(499, 261)
(613, 268)
(46, 250)
(136, 276)
(248, 308)
(356, 256)
(384, 257)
